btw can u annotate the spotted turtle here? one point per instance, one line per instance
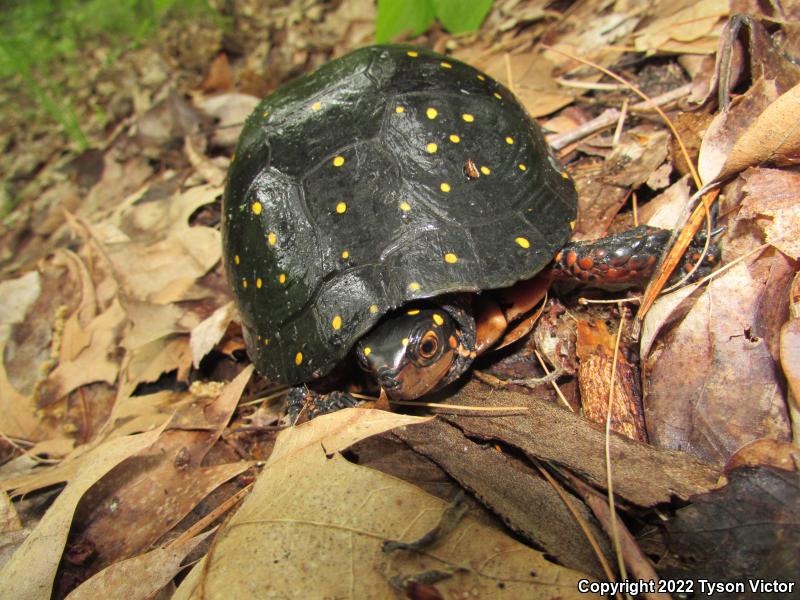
(370, 202)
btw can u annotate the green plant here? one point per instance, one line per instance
(41, 43)
(415, 16)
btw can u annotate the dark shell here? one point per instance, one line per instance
(388, 175)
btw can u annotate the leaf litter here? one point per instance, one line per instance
(117, 320)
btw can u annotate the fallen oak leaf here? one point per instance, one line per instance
(311, 513)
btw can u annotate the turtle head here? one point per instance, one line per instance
(410, 353)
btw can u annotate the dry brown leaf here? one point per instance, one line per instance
(17, 417)
(665, 209)
(165, 483)
(661, 313)
(96, 362)
(175, 263)
(773, 137)
(314, 525)
(773, 200)
(30, 572)
(140, 577)
(148, 362)
(230, 111)
(686, 27)
(713, 384)
(16, 297)
(207, 334)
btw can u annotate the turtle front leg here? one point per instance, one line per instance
(625, 259)
(311, 404)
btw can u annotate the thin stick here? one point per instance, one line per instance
(609, 479)
(553, 383)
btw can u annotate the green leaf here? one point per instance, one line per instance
(401, 16)
(459, 16)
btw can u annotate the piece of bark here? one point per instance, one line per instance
(525, 502)
(595, 349)
(643, 475)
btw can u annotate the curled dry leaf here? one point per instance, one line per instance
(206, 335)
(30, 572)
(771, 134)
(314, 525)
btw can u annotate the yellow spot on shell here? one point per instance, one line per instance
(413, 53)
(572, 224)
(414, 286)
(337, 322)
(481, 77)
(509, 140)
(399, 109)
(437, 318)
(282, 278)
(265, 114)
(413, 311)
(431, 112)
(259, 283)
(485, 170)
(367, 350)
(468, 117)
(373, 308)
(272, 238)
(345, 254)
(256, 208)
(522, 242)
(522, 167)
(404, 342)
(316, 106)
(498, 96)
(445, 187)
(341, 208)
(450, 258)
(244, 283)
(565, 175)
(236, 259)
(454, 138)
(405, 206)
(338, 161)
(298, 358)
(431, 148)
(266, 341)
(447, 65)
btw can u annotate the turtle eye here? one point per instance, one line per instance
(429, 344)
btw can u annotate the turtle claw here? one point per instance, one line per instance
(308, 404)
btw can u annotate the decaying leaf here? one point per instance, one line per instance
(314, 525)
(745, 531)
(712, 383)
